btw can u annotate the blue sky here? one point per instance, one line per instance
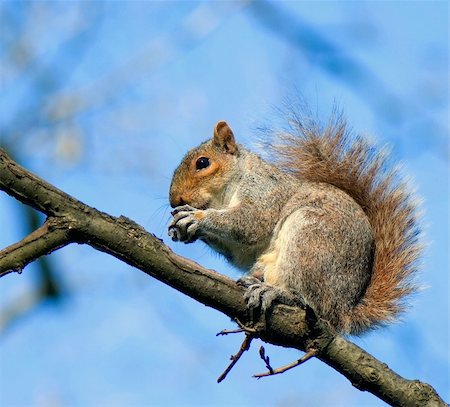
(103, 99)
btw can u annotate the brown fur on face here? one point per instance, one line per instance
(200, 188)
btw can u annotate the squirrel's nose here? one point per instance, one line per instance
(176, 200)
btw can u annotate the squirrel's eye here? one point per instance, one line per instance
(201, 163)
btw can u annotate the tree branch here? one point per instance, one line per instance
(52, 235)
(129, 242)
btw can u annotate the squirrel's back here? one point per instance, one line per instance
(334, 156)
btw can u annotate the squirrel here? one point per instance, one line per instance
(327, 225)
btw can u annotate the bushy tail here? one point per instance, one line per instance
(333, 155)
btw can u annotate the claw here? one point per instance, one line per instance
(173, 233)
(183, 208)
(178, 216)
(262, 296)
(247, 281)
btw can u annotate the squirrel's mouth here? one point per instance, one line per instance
(204, 206)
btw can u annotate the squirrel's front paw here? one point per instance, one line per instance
(185, 224)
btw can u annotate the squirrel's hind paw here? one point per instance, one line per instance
(263, 296)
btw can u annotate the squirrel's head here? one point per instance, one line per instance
(201, 178)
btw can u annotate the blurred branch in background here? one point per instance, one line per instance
(194, 28)
(47, 287)
(46, 108)
(338, 62)
(328, 56)
(36, 64)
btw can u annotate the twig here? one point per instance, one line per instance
(242, 328)
(266, 359)
(234, 358)
(308, 355)
(245, 328)
(224, 332)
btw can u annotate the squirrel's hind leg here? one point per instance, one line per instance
(268, 280)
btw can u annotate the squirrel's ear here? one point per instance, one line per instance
(224, 138)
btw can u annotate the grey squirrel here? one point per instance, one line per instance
(327, 225)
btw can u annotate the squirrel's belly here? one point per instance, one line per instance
(268, 264)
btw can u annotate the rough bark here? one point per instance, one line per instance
(71, 221)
